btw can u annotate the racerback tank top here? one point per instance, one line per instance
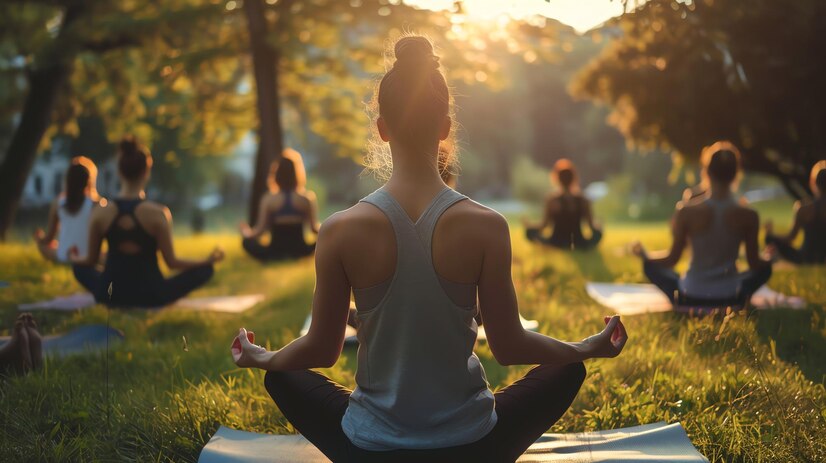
(418, 383)
(74, 229)
(712, 273)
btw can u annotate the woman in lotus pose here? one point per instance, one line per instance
(565, 212)
(415, 253)
(809, 217)
(715, 224)
(69, 215)
(135, 229)
(285, 210)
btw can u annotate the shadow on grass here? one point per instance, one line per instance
(799, 337)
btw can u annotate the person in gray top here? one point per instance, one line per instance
(416, 254)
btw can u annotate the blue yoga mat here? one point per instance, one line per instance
(655, 442)
(78, 340)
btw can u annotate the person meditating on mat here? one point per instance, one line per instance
(415, 253)
(284, 211)
(715, 224)
(135, 229)
(23, 351)
(811, 218)
(565, 211)
(70, 212)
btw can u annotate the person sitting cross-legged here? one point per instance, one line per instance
(415, 253)
(809, 216)
(715, 224)
(135, 230)
(284, 211)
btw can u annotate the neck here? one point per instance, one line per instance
(720, 191)
(129, 190)
(415, 168)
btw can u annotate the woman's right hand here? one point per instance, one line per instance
(608, 343)
(245, 354)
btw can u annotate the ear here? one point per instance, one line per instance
(383, 132)
(444, 131)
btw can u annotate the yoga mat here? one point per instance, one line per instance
(657, 442)
(633, 299)
(530, 325)
(78, 340)
(349, 332)
(229, 304)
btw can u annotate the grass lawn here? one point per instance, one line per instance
(745, 388)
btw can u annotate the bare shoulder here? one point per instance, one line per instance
(358, 220)
(475, 222)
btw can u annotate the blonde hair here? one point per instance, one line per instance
(289, 175)
(721, 162)
(413, 99)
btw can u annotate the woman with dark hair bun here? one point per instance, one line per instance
(810, 217)
(68, 224)
(416, 254)
(715, 224)
(284, 211)
(135, 229)
(565, 212)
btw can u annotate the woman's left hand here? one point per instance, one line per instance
(245, 354)
(638, 250)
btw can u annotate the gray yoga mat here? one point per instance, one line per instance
(78, 340)
(656, 442)
(227, 304)
(634, 299)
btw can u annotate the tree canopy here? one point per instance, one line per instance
(680, 75)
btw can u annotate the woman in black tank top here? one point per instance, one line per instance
(565, 212)
(135, 229)
(284, 211)
(811, 218)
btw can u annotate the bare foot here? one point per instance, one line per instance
(15, 355)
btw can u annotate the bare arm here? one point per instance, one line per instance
(322, 344)
(679, 231)
(313, 213)
(752, 249)
(796, 225)
(164, 236)
(262, 221)
(509, 342)
(589, 215)
(53, 225)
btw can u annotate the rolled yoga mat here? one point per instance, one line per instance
(228, 304)
(656, 442)
(633, 299)
(78, 340)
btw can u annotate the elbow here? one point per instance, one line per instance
(504, 356)
(328, 359)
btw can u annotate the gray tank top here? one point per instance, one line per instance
(712, 273)
(418, 383)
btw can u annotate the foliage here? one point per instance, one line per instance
(680, 75)
(733, 383)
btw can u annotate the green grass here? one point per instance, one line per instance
(745, 388)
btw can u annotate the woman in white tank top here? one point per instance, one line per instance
(416, 254)
(68, 224)
(715, 225)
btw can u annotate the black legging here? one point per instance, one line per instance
(315, 406)
(268, 253)
(142, 292)
(573, 243)
(669, 282)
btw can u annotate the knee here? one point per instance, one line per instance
(576, 371)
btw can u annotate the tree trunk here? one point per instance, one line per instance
(44, 82)
(265, 67)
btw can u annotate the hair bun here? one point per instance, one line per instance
(129, 146)
(415, 51)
